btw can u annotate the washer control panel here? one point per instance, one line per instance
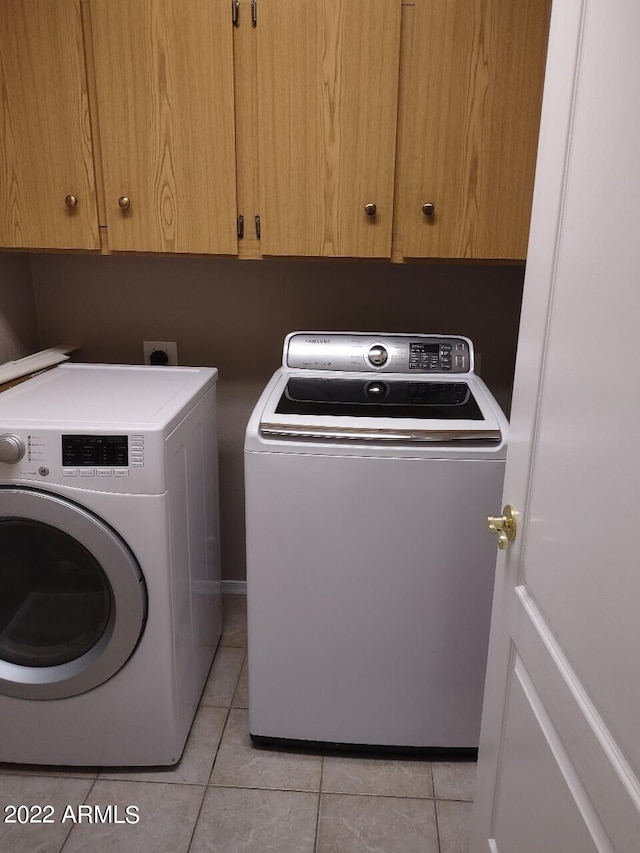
(378, 355)
(368, 351)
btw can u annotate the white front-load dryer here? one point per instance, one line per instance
(110, 608)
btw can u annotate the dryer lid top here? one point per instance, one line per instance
(105, 395)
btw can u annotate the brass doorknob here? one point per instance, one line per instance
(505, 526)
(370, 209)
(428, 209)
(124, 202)
(70, 201)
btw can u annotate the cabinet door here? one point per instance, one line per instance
(45, 135)
(470, 111)
(327, 84)
(164, 79)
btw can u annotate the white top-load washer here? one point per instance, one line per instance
(110, 607)
(371, 462)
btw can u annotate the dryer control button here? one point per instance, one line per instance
(87, 472)
(104, 472)
(378, 355)
(69, 472)
(11, 448)
(121, 472)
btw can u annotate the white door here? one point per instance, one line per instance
(559, 759)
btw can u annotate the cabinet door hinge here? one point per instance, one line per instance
(240, 227)
(257, 227)
(254, 13)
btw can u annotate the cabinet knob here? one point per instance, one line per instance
(124, 202)
(428, 209)
(370, 209)
(70, 201)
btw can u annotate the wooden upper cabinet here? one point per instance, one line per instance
(327, 109)
(164, 83)
(46, 152)
(472, 78)
(122, 113)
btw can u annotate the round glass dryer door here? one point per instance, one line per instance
(73, 601)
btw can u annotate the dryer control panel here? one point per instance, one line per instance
(125, 462)
(378, 352)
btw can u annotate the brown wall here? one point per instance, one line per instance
(234, 315)
(18, 327)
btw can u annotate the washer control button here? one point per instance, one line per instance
(69, 472)
(104, 472)
(121, 472)
(378, 355)
(87, 472)
(43, 471)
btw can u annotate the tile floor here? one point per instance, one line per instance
(224, 796)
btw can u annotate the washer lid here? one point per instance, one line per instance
(389, 409)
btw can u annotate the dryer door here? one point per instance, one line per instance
(73, 601)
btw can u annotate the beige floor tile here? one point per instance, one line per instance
(455, 780)
(167, 817)
(381, 776)
(237, 820)
(356, 824)
(28, 790)
(241, 696)
(239, 764)
(223, 678)
(234, 621)
(197, 760)
(454, 820)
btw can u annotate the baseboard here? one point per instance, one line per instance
(234, 587)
